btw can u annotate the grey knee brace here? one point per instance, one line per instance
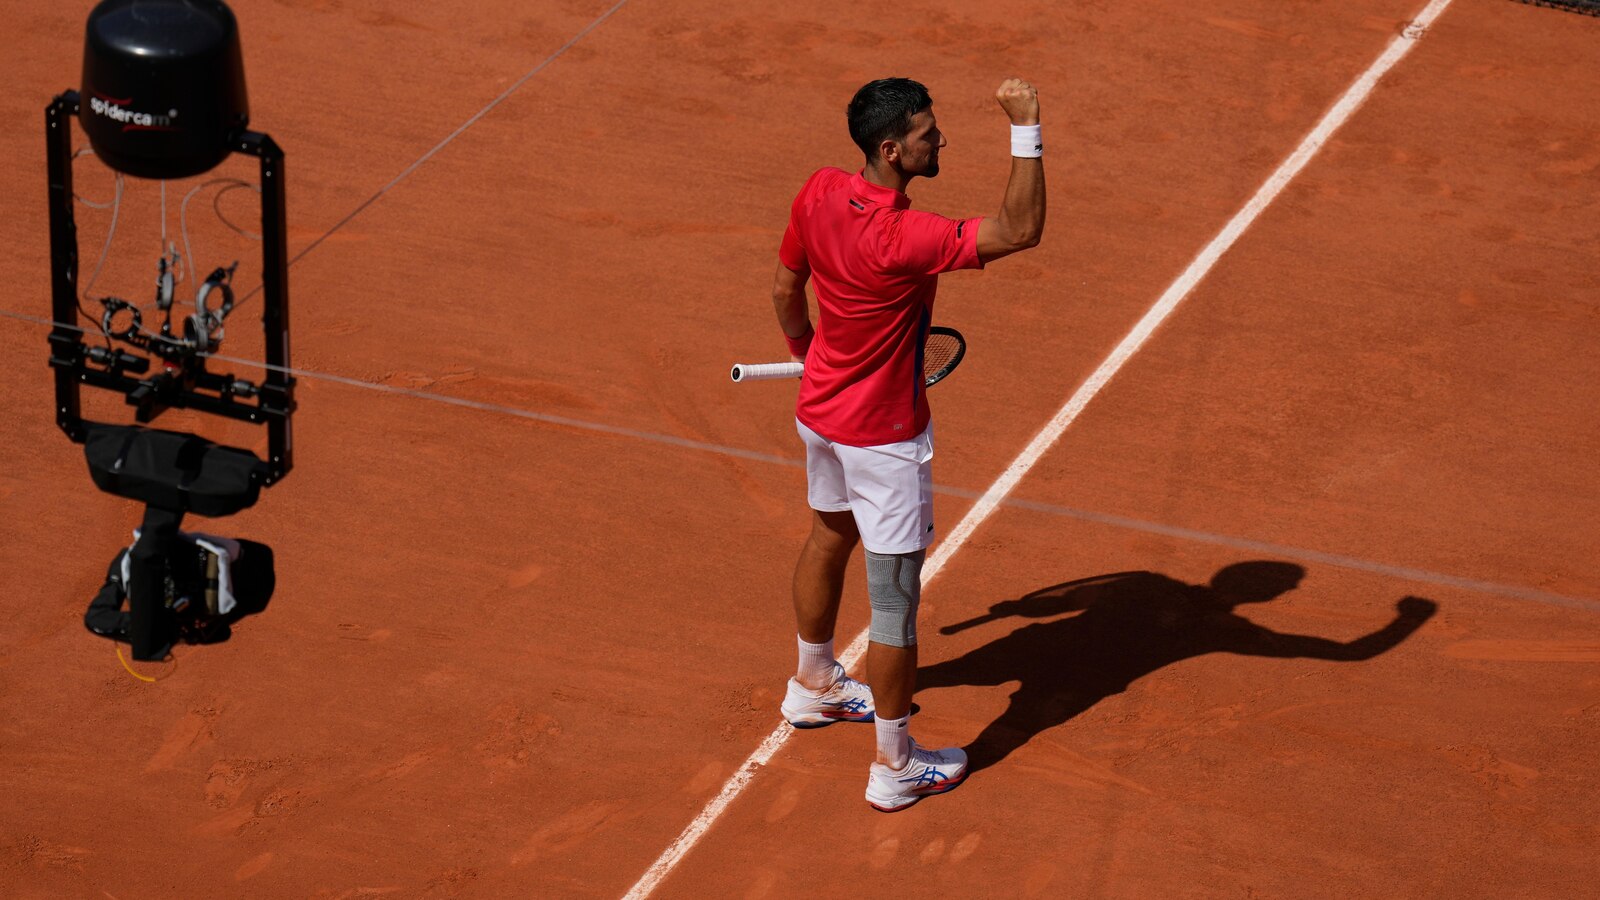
(894, 585)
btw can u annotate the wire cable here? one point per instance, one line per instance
(559, 52)
(105, 249)
(88, 151)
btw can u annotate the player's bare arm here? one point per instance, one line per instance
(789, 300)
(1020, 223)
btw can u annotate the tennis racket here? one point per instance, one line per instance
(941, 353)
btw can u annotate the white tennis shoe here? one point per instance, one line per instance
(928, 772)
(846, 700)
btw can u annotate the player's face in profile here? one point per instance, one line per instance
(919, 151)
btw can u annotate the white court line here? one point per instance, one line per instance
(1347, 104)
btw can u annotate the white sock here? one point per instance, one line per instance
(816, 664)
(894, 741)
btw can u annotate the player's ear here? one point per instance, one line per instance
(889, 151)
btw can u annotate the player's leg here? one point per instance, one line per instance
(891, 490)
(819, 577)
(821, 693)
(894, 587)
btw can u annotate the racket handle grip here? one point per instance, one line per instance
(767, 371)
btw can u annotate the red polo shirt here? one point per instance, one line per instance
(874, 264)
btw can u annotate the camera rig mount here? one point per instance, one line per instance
(164, 97)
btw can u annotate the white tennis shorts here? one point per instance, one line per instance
(888, 487)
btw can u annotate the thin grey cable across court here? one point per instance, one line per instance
(1421, 576)
(497, 408)
(461, 129)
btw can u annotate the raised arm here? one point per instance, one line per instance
(789, 301)
(1410, 614)
(1020, 222)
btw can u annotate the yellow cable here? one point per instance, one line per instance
(136, 674)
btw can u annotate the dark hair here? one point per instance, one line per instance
(882, 110)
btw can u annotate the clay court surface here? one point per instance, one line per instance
(516, 648)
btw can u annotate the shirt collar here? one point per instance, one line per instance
(877, 193)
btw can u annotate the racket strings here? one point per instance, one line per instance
(940, 351)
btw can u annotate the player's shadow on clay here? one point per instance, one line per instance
(1128, 625)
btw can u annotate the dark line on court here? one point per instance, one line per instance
(601, 427)
(1295, 553)
(1422, 576)
(453, 135)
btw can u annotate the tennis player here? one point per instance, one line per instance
(874, 264)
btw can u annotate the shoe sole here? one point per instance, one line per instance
(944, 788)
(823, 720)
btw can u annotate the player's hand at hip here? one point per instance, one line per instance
(1020, 100)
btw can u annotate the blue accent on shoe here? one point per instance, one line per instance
(927, 777)
(944, 788)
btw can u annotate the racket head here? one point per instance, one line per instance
(941, 353)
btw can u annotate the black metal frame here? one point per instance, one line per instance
(188, 383)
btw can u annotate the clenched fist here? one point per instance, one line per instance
(1417, 608)
(1020, 101)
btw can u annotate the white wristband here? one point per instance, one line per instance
(1025, 141)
